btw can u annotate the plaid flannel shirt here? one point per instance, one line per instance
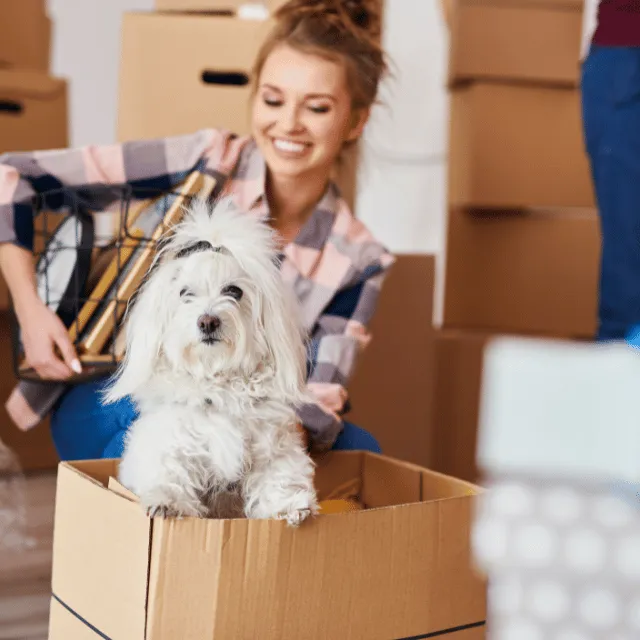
(335, 266)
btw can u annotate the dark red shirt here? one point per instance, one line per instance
(618, 23)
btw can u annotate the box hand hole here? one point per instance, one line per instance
(225, 78)
(10, 106)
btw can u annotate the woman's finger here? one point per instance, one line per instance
(68, 351)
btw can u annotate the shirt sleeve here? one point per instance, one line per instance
(337, 341)
(156, 164)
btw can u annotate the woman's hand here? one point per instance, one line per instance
(47, 346)
(43, 333)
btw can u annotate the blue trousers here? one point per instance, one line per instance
(611, 119)
(84, 429)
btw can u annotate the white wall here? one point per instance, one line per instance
(86, 50)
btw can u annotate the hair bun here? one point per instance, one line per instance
(359, 12)
(351, 15)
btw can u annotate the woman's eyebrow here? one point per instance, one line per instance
(308, 96)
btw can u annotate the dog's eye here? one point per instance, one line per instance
(186, 293)
(232, 291)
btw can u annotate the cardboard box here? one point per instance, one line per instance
(205, 62)
(456, 401)
(400, 569)
(33, 111)
(34, 448)
(517, 146)
(391, 390)
(523, 272)
(25, 35)
(515, 40)
(214, 5)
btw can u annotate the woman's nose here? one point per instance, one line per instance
(290, 119)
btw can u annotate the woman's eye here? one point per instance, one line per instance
(272, 102)
(186, 293)
(232, 291)
(319, 108)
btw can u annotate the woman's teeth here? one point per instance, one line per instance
(288, 146)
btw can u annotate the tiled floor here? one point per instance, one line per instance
(25, 574)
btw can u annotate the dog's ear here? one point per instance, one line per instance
(285, 337)
(145, 323)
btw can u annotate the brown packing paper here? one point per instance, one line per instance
(391, 388)
(515, 40)
(25, 35)
(524, 272)
(513, 146)
(33, 111)
(208, 65)
(250, 579)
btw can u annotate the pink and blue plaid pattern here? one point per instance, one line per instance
(335, 266)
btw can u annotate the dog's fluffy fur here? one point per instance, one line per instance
(216, 434)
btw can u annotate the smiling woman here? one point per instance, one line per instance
(315, 81)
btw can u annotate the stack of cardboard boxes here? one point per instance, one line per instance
(33, 116)
(523, 244)
(33, 103)
(187, 66)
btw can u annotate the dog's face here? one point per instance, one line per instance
(214, 315)
(215, 302)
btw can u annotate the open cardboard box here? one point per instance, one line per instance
(401, 568)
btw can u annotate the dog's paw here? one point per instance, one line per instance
(174, 510)
(162, 511)
(295, 515)
(295, 518)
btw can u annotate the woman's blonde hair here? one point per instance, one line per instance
(347, 31)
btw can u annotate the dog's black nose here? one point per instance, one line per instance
(208, 324)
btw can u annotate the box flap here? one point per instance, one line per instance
(121, 490)
(338, 474)
(30, 84)
(439, 486)
(388, 482)
(100, 551)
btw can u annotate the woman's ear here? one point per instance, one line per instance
(359, 119)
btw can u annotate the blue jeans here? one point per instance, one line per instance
(84, 429)
(611, 119)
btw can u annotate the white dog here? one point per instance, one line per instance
(215, 362)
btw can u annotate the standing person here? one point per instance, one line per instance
(611, 115)
(315, 81)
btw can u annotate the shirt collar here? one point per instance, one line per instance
(251, 176)
(305, 251)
